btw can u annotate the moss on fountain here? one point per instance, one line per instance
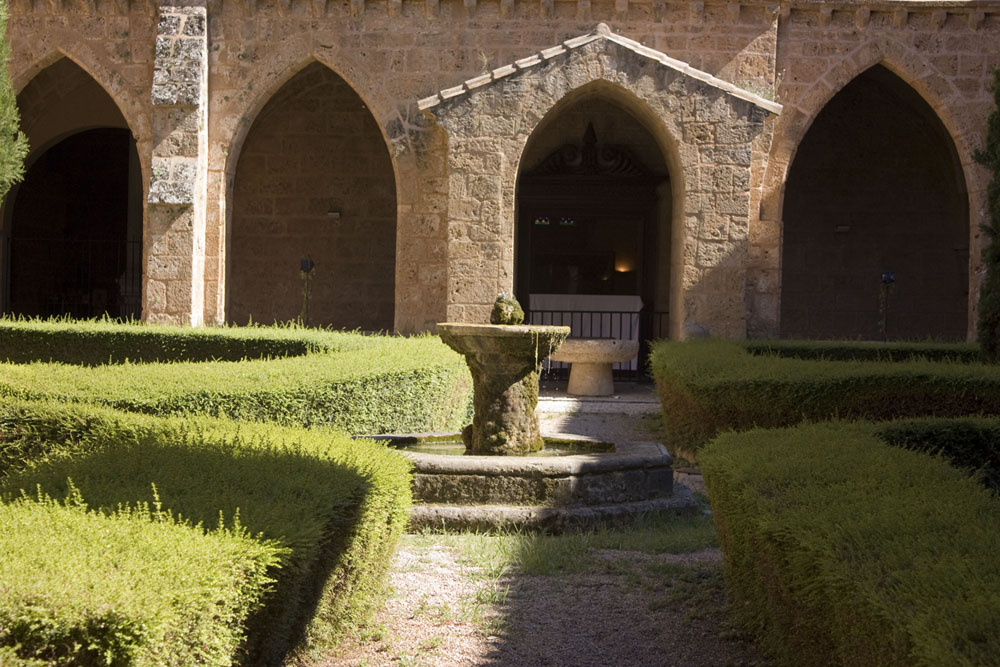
(504, 361)
(506, 310)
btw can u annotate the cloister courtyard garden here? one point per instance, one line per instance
(194, 496)
(224, 495)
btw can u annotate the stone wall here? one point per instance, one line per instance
(393, 53)
(704, 127)
(875, 188)
(314, 180)
(945, 53)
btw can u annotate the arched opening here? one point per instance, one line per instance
(314, 182)
(593, 235)
(876, 226)
(73, 227)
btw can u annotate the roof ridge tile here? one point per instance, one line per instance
(601, 32)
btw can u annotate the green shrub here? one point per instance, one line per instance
(335, 506)
(366, 384)
(99, 342)
(89, 588)
(706, 387)
(970, 444)
(863, 350)
(842, 550)
(13, 143)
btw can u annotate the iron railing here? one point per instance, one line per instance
(78, 291)
(643, 326)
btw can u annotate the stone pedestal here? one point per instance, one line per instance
(504, 361)
(590, 374)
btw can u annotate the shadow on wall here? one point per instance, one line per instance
(314, 181)
(875, 188)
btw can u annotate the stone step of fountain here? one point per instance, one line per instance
(630, 398)
(550, 519)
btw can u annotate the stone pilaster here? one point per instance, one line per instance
(175, 232)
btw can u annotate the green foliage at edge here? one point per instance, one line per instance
(989, 293)
(706, 387)
(13, 143)
(360, 384)
(334, 508)
(840, 549)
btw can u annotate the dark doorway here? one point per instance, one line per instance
(75, 230)
(588, 244)
(876, 223)
(588, 224)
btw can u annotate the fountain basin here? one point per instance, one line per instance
(591, 359)
(552, 493)
(504, 361)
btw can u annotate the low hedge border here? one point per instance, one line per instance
(197, 589)
(371, 384)
(864, 350)
(327, 509)
(706, 387)
(99, 342)
(969, 444)
(843, 550)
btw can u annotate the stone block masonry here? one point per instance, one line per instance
(175, 225)
(190, 80)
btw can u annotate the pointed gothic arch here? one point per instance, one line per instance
(489, 119)
(72, 230)
(314, 180)
(594, 208)
(876, 193)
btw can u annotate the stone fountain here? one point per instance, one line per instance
(504, 362)
(501, 481)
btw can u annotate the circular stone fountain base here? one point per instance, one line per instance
(551, 493)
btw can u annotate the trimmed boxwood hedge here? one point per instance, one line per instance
(706, 387)
(99, 342)
(843, 550)
(71, 595)
(189, 520)
(970, 444)
(864, 350)
(362, 384)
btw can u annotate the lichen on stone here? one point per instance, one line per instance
(506, 310)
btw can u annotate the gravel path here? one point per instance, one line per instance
(621, 611)
(620, 608)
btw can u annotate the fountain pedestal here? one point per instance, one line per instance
(504, 361)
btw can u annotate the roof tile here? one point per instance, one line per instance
(602, 32)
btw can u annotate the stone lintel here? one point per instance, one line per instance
(862, 17)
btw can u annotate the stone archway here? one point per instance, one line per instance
(876, 191)
(593, 235)
(314, 181)
(72, 242)
(710, 132)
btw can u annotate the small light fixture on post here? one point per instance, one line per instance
(306, 267)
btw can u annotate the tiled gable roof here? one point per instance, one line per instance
(601, 33)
